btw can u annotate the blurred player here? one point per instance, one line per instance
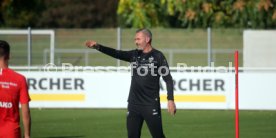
(148, 64)
(13, 90)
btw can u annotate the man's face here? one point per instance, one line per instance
(141, 40)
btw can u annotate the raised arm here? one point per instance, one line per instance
(122, 55)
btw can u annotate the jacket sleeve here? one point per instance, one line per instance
(166, 75)
(118, 54)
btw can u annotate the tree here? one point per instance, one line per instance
(79, 14)
(198, 13)
(58, 13)
(20, 13)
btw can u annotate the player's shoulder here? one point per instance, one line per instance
(158, 53)
(15, 74)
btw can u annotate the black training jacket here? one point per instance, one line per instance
(146, 71)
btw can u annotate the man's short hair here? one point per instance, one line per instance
(4, 49)
(145, 31)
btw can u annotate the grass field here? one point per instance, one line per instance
(162, 39)
(110, 123)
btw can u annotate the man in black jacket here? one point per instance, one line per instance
(148, 64)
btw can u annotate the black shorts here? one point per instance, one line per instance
(137, 114)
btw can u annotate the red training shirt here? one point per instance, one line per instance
(13, 89)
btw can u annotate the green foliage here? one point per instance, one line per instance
(198, 13)
(19, 13)
(78, 14)
(58, 13)
(138, 13)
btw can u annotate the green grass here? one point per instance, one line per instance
(162, 39)
(110, 123)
